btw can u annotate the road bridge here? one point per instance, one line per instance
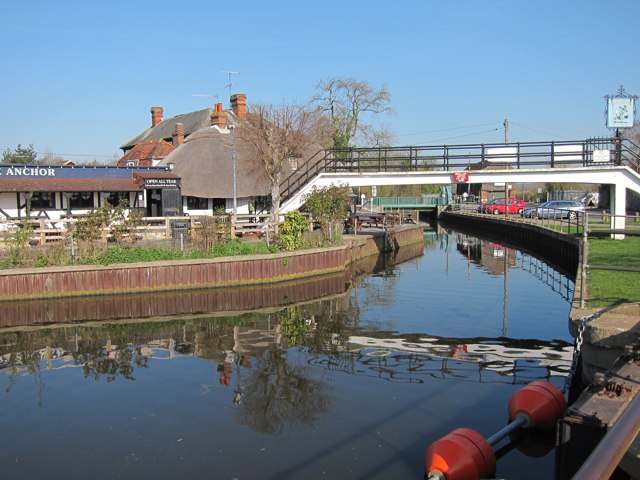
(612, 161)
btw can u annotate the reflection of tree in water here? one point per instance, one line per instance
(23, 353)
(110, 360)
(320, 327)
(278, 393)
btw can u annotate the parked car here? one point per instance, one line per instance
(496, 206)
(556, 209)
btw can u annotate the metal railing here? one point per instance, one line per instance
(606, 457)
(407, 202)
(561, 220)
(522, 155)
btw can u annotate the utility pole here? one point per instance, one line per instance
(506, 130)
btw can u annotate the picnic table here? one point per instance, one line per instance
(371, 219)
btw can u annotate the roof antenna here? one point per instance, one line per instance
(228, 85)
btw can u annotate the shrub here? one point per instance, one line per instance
(18, 244)
(292, 229)
(329, 205)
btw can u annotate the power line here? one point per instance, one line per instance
(64, 154)
(466, 135)
(548, 132)
(446, 129)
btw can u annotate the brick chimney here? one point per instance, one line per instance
(156, 116)
(219, 116)
(178, 135)
(239, 105)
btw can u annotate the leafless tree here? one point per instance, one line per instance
(346, 101)
(279, 395)
(632, 133)
(276, 134)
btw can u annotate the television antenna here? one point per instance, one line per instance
(228, 85)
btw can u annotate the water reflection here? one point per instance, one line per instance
(498, 259)
(257, 348)
(278, 393)
(349, 385)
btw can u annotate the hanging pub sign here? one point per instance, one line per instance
(620, 109)
(620, 112)
(161, 183)
(460, 177)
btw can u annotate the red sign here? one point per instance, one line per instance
(460, 177)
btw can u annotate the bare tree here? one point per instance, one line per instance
(345, 101)
(276, 134)
(378, 137)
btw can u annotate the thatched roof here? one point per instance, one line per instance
(205, 163)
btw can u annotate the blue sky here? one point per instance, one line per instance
(79, 77)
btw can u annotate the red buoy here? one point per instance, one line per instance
(466, 455)
(463, 454)
(541, 403)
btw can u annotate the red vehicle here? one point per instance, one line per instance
(496, 206)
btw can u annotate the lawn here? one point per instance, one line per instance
(608, 287)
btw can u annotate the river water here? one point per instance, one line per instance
(354, 385)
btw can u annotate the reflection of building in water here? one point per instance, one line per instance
(513, 361)
(497, 259)
(489, 255)
(319, 328)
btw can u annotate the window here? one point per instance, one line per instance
(81, 200)
(131, 163)
(293, 161)
(115, 197)
(43, 200)
(218, 204)
(196, 203)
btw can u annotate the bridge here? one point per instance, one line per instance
(612, 161)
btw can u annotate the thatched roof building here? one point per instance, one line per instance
(204, 162)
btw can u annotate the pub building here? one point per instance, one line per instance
(56, 192)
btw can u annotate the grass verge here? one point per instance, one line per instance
(608, 287)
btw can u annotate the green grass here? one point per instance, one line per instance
(113, 255)
(624, 253)
(607, 287)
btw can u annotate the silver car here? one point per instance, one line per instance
(555, 209)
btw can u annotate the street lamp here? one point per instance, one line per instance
(235, 176)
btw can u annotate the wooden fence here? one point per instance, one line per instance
(45, 230)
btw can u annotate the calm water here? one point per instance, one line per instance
(352, 386)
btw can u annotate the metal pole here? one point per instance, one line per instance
(506, 130)
(520, 421)
(607, 455)
(235, 175)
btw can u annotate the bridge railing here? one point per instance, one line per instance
(583, 153)
(465, 157)
(562, 221)
(630, 155)
(421, 201)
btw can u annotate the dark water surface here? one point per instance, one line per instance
(351, 386)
